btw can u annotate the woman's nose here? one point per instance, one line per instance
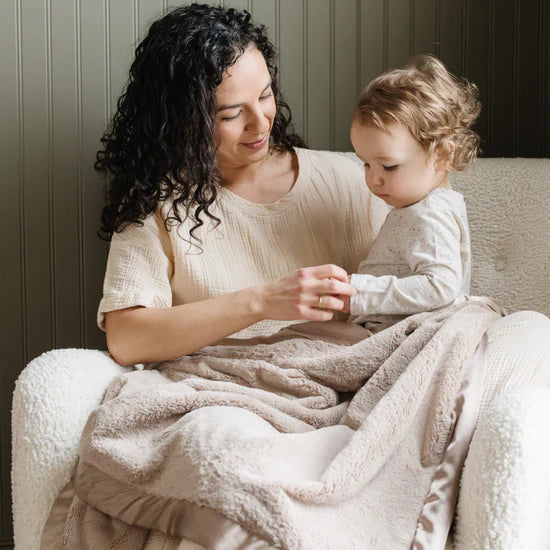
(258, 122)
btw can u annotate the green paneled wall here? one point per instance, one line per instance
(64, 63)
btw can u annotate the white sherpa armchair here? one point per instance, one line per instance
(504, 501)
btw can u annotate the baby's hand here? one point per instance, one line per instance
(345, 299)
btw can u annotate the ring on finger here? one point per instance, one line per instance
(320, 304)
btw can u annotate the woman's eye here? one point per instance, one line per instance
(390, 168)
(231, 117)
(264, 97)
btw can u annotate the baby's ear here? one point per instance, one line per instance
(445, 153)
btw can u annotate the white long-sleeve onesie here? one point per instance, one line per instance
(420, 261)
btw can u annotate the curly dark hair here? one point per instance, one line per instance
(160, 142)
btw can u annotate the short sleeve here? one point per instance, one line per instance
(139, 268)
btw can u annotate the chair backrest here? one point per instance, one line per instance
(508, 202)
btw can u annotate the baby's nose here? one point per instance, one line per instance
(377, 180)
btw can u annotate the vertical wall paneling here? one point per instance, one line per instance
(64, 158)
(36, 176)
(346, 81)
(122, 44)
(515, 61)
(265, 12)
(177, 3)
(80, 186)
(451, 34)
(11, 299)
(478, 27)
(238, 4)
(107, 53)
(398, 33)
(10, 218)
(291, 58)
(546, 96)
(529, 122)
(464, 41)
(489, 70)
(332, 72)
(135, 30)
(95, 94)
(372, 40)
(546, 25)
(318, 98)
(424, 22)
(147, 11)
(503, 77)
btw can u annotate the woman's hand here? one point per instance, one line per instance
(311, 293)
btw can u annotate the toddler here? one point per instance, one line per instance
(411, 128)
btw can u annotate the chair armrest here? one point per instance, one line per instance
(53, 398)
(505, 489)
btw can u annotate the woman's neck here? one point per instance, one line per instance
(265, 181)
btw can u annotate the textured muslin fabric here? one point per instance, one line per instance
(420, 261)
(328, 217)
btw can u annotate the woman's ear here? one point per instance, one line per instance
(445, 153)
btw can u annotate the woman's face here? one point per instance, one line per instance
(245, 110)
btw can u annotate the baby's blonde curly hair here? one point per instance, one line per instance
(435, 106)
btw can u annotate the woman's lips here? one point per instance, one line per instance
(257, 144)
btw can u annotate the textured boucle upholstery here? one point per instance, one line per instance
(508, 203)
(53, 398)
(506, 483)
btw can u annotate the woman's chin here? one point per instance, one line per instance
(255, 155)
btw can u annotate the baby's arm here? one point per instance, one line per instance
(431, 246)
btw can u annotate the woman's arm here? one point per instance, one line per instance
(143, 334)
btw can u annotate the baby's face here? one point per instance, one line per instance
(397, 168)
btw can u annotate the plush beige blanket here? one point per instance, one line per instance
(317, 437)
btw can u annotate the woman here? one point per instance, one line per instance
(215, 212)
